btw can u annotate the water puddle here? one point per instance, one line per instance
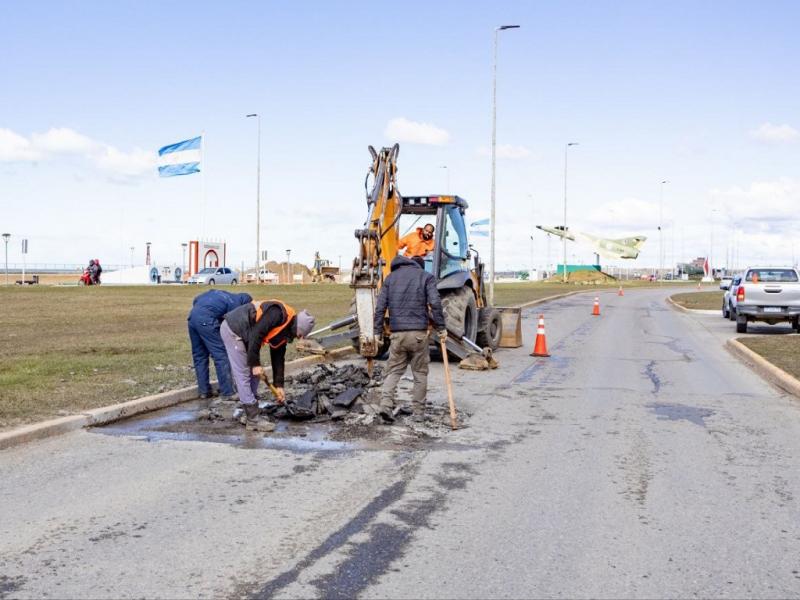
(681, 412)
(181, 423)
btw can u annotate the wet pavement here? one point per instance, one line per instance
(640, 460)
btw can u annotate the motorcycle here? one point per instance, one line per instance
(86, 278)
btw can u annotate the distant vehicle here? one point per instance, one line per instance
(725, 282)
(729, 298)
(215, 276)
(264, 275)
(770, 295)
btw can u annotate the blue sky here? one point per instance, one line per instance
(703, 94)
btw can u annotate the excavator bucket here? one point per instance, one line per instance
(482, 361)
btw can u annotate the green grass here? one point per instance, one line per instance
(700, 300)
(783, 351)
(67, 349)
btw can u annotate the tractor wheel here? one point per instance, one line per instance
(461, 313)
(490, 328)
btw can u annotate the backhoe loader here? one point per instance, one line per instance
(472, 324)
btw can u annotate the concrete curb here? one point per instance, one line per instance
(763, 367)
(678, 306)
(124, 410)
(549, 298)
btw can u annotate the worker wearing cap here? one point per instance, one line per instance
(246, 329)
(419, 242)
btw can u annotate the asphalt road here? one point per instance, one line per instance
(640, 460)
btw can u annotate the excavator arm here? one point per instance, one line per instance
(377, 243)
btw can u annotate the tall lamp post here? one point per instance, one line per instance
(494, 157)
(183, 259)
(564, 239)
(132, 249)
(289, 265)
(258, 198)
(6, 237)
(661, 229)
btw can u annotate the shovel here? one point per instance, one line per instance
(271, 387)
(453, 423)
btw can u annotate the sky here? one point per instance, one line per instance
(703, 95)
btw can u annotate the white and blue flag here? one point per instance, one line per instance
(182, 158)
(479, 228)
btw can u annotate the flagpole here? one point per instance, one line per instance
(202, 185)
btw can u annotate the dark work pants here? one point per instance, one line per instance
(206, 341)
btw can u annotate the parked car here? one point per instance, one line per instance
(264, 275)
(215, 276)
(770, 295)
(729, 298)
(725, 282)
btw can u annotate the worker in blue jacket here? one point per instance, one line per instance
(208, 310)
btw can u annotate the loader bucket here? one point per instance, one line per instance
(512, 326)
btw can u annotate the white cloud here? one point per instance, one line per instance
(62, 141)
(14, 147)
(775, 134)
(507, 151)
(770, 205)
(404, 130)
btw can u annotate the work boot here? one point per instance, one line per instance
(207, 395)
(251, 413)
(386, 414)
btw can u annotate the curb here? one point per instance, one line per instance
(130, 408)
(549, 298)
(763, 367)
(678, 306)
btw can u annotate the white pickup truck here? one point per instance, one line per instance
(768, 294)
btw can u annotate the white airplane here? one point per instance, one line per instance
(622, 248)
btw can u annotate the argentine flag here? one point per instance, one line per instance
(478, 228)
(182, 158)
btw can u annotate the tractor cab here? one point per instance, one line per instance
(449, 262)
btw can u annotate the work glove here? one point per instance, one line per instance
(442, 335)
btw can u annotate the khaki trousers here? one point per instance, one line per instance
(407, 348)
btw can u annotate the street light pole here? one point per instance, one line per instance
(494, 158)
(6, 237)
(447, 175)
(661, 229)
(289, 265)
(132, 249)
(258, 199)
(564, 238)
(183, 260)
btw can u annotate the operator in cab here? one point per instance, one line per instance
(419, 242)
(249, 327)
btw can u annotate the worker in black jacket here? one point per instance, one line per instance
(410, 295)
(246, 329)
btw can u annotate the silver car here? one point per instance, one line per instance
(215, 276)
(729, 298)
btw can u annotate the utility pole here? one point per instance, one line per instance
(564, 237)
(6, 237)
(661, 230)
(494, 159)
(258, 199)
(289, 265)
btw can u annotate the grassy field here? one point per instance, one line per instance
(700, 300)
(66, 349)
(783, 351)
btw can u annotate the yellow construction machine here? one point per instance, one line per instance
(473, 325)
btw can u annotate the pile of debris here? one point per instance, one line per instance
(328, 393)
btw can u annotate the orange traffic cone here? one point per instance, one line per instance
(620, 292)
(540, 347)
(596, 309)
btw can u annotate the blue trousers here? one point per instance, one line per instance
(206, 342)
